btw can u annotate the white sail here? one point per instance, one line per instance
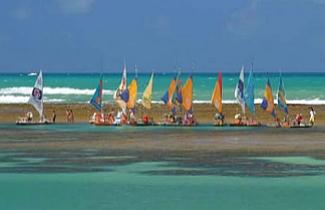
(239, 90)
(122, 85)
(36, 97)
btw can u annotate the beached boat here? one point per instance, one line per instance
(36, 100)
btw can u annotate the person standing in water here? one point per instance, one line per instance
(53, 116)
(312, 116)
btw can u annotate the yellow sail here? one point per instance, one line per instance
(216, 98)
(147, 94)
(133, 87)
(187, 94)
(171, 90)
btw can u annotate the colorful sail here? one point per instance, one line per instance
(282, 102)
(168, 96)
(36, 97)
(239, 90)
(96, 100)
(216, 98)
(147, 94)
(268, 101)
(179, 97)
(187, 94)
(132, 91)
(249, 95)
(122, 87)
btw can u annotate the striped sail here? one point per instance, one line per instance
(249, 95)
(147, 94)
(268, 100)
(281, 96)
(216, 98)
(239, 90)
(167, 98)
(187, 94)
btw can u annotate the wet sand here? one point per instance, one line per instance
(206, 150)
(204, 113)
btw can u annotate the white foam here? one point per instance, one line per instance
(9, 99)
(51, 91)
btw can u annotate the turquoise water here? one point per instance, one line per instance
(15, 88)
(127, 188)
(94, 179)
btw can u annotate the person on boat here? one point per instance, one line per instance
(238, 119)
(124, 119)
(133, 119)
(111, 118)
(277, 122)
(189, 119)
(312, 116)
(98, 118)
(53, 116)
(145, 119)
(286, 122)
(219, 118)
(299, 119)
(29, 116)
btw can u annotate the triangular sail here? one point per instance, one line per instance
(187, 94)
(129, 96)
(249, 95)
(239, 90)
(147, 94)
(268, 101)
(36, 97)
(216, 98)
(122, 87)
(179, 97)
(96, 99)
(167, 98)
(282, 103)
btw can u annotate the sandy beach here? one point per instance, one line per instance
(204, 113)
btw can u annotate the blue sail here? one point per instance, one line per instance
(282, 104)
(96, 100)
(249, 95)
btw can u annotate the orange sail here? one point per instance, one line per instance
(187, 94)
(216, 98)
(133, 87)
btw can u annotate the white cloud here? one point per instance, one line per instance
(76, 6)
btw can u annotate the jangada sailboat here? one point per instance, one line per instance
(216, 100)
(36, 100)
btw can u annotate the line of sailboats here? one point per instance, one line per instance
(178, 98)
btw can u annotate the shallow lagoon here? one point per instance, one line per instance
(38, 180)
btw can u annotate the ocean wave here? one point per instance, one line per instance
(5, 99)
(51, 91)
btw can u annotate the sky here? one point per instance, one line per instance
(162, 35)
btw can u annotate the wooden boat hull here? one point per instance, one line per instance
(33, 123)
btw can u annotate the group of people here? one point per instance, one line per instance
(121, 118)
(298, 121)
(69, 115)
